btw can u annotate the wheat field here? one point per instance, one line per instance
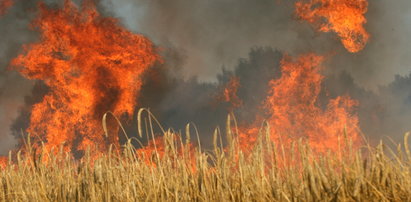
(180, 172)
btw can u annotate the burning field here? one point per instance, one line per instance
(104, 108)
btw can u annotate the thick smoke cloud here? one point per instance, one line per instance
(210, 34)
(383, 114)
(14, 32)
(177, 101)
(216, 32)
(199, 38)
(388, 51)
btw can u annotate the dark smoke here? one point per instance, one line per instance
(14, 32)
(217, 32)
(177, 101)
(202, 42)
(383, 114)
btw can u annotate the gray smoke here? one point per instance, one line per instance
(177, 101)
(200, 37)
(218, 32)
(14, 32)
(383, 114)
(388, 51)
(215, 33)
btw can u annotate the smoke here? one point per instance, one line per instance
(383, 114)
(218, 32)
(388, 51)
(202, 42)
(212, 34)
(14, 32)
(176, 101)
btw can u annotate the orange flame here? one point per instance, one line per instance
(229, 93)
(344, 17)
(91, 65)
(153, 147)
(4, 160)
(5, 5)
(170, 144)
(293, 110)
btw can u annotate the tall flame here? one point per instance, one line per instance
(91, 65)
(5, 5)
(293, 110)
(344, 17)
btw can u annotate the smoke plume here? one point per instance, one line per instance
(206, 43)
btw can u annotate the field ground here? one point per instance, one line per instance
(179, 172)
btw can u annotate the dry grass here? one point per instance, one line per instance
(369, 174)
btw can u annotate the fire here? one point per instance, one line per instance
(229, 93)
(91, 65)
(294, 113)
(152, 148)
(344, 17)
(168, 146)
(4, 160)
(5, 5)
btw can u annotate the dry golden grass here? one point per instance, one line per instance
(369, 174)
